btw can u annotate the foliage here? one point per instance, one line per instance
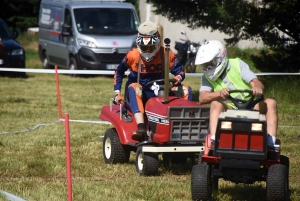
(20, 14)
(275, 22)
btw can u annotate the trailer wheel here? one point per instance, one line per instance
(113, 151)
(201, 185)
(146, 163)
(277, 182)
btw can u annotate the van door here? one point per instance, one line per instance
(56, 46)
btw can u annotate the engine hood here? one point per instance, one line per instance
(11, 44)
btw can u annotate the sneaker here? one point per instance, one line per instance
(139, 135)
(271, 140)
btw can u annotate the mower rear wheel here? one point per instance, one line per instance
(277, 182)
(113, 151)
(146, 163)
(201, 185)
(284, 160)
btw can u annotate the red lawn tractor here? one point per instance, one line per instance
(240, 154)
(176, 129)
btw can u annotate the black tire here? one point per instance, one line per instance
(201, 186)
(46, 64)
(277, 183)
(73, 66)
(146, 163)
(113, 151)
(190, 67)
(284, 160)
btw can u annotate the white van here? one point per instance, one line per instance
(86, 34)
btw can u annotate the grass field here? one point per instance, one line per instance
(32, 143)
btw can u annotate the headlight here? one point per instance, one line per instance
(226, 124)
(86, 43)
(17, 52)
(256, 127)
(193, 49)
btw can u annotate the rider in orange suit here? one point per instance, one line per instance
(148, 55)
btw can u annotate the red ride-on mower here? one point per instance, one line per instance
(240, 154)
(176, 129)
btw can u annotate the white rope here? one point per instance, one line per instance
(108, 72)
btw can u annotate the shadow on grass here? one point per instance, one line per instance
(13, 74)
(249, 192)
(178, 168)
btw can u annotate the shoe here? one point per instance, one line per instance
(271, 140)
(139, 135)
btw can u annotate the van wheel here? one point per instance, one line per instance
(46, 64)
(73, 66)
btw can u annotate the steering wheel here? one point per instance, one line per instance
(245, 104)
(161, 83)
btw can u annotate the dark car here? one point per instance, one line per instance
(13, 55)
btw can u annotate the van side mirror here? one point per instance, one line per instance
(66, 30)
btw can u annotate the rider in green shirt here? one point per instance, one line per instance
(221, 75)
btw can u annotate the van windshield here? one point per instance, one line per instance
(106, 21)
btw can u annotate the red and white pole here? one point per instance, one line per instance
(68, 154)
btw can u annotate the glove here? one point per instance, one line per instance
(118, 98)
(178, 78)
(155, 88)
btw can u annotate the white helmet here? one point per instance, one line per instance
(148, 40)
(212, 58)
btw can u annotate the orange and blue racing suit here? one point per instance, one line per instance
(137, 94)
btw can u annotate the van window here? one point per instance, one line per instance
(106, 21)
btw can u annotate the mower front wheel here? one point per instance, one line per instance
(113, 151)
(201, 185)
(146, 163)
(277, 182)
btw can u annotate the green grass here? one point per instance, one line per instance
(33, 163)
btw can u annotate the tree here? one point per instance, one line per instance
(275, 22)
(20, 14)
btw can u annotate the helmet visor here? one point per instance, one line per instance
(211, 64)
(148, 48)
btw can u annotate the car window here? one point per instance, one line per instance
(4, 31)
